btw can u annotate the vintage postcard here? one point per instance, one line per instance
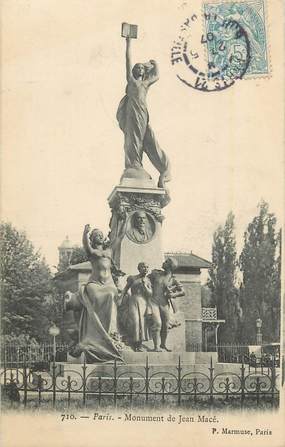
(142, 193)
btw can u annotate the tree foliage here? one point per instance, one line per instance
(67, 259)
(27, 289)
(78, 255)
(260, 263)
(259, 266)
(222, 281)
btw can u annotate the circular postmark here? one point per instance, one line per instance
(214, 59)
(140, 227)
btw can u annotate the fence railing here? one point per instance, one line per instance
(209, 314)
(236, 353)
(115, 382)
(16, 356)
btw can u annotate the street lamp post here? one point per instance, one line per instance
(258, 331)
(54, 332)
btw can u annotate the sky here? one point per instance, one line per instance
(62, 149)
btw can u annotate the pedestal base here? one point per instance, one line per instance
(159, 363)
(135, 226)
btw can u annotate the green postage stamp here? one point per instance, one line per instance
(250, 15)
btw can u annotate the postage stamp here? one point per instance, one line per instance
(229, 53)
(250, 15)
(227, 41)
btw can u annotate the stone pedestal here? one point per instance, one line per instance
(159, 363)
(135, 226)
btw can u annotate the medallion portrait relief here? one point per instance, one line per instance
(140, 227)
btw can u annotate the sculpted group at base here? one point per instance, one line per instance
(112, 318)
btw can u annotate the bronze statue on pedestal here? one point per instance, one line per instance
(133, 119)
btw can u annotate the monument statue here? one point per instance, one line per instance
(109, 311)
(133, 119)
(165, 287)
(138, 306)
(97, 302)
(136, 203)
(95, 247)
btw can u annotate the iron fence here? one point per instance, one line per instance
(236, 353)
(16, 356)
(227, 353)
(177, 384)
